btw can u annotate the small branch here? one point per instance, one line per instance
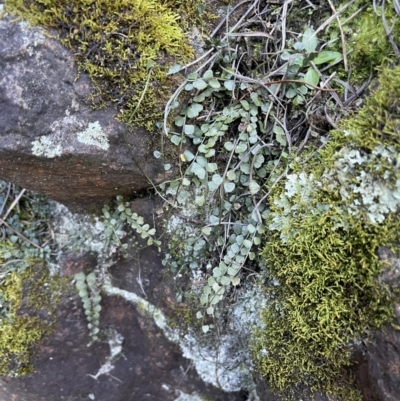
(344, 50)
(19, 234)
(16, 200)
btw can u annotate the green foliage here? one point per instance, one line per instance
(116, 224)
(215, 188)
(18, 252)
(239, 142)
(25, 249)
(326, 224)
(322, 214)
(367, 43)
(299, 68)
(89, 291)
(121, 44)
(121, 219)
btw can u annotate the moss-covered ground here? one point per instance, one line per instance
(126, 46)
(28, 302)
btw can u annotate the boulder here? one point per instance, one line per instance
(51, 140)
(147, 367)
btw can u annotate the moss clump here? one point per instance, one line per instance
(367, 42)
(23, 296)
(122, 44)
(326, 224)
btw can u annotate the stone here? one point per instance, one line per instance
(147, 367)
(51, 140)
(377, 371)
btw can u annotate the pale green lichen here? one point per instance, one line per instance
(115, 341)
(94, 135)
(213, 362)
(188, 397)
(52, 145)
(45, 146)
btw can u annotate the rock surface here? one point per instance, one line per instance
(378, 371)
(51, 140)
(150, 367)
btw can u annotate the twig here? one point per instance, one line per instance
(19, 234)
(186, 66)
(389, 32)
(284, 14)
(331, 18)
(359, 91)
(299, 149)
(284, 174)
(397, 6)
(16, 200)
(142, 95)
(256, 34)
(344, 51)
(178, 91)
(251, 178)
(222, 22)
(10, 262)
(354, 14)
(6, 198)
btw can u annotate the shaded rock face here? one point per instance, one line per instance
(378, 368)
(149, 367)
(51, 140)
(378, 373)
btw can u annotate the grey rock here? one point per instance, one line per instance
(51, 140)
(149, 367)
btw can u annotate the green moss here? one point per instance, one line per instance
(367, 44)
(120, 44)
(21, 328)
(322, 249)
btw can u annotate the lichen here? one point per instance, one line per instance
(212, 360)
(94, 135)
(326, 223)
(121, 44)
(188, 397)
(115, 341)
(45, 147)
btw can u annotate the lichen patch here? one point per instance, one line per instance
(94, 135)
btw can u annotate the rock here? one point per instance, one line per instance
(51, 140)
(383, 357)
(378, 369)
(149, 366)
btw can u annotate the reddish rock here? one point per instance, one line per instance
(42, 96)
